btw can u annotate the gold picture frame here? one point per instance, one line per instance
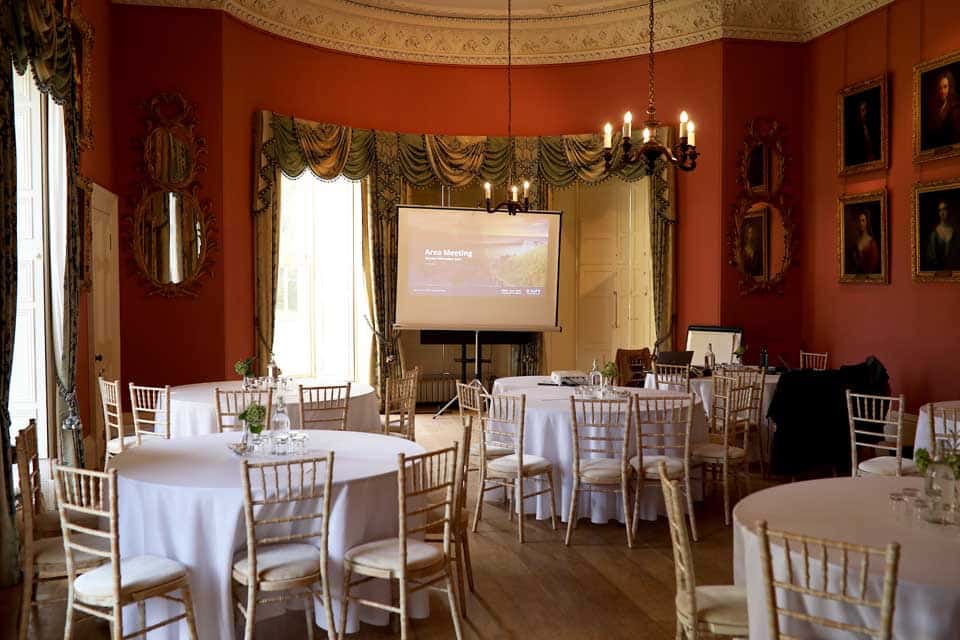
(83, 42)
(936, 118)
(935, 231)
(863, 123)
(862, 242)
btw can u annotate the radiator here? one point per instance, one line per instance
(436, 387)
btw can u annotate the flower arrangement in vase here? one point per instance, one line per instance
(253, 420)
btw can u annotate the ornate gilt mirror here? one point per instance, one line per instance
(762, 235)
(172, 234)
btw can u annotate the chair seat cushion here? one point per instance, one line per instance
(279, 562)
(714, 451)
(887, 466)
(113, 446)
(651, 467)
(136, 574)
(600, 470)
(49, 556)
(493, 451)
(507, 465)
(385, 554)
(721, 608)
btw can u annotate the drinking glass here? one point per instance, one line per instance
(898, 506)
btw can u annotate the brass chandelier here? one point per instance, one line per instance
(682, 155)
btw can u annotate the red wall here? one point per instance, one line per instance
(910, 327)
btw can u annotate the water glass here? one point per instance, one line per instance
(921, 508)
(298, 441)
(898, 505)
(280, 442)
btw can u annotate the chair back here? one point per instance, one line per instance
(870, 417)
(502, 425)
(151, 411)
(287, 501)
(945, 423)
(675, 377)
(232, 402)
(81, 495)
(28, 471)
(633, 365)
(400, 400)
(112, 411)
(679, 538)
(663, 427)
(815, 361)
(731, 411)
(325, 407)
(601, 429)
(427, 486)
(808, 573)
(470, 399)
(756, 379)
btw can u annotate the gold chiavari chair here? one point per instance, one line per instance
(601, 437)
(151, 411)
(286, 506)
(502, 426)
(728, 426)
(427, 487)
(675, 377)
(815, 361)
(325, 407)
(870, 417)
(808, 582)
(400, 405)
(663, 435)
(113, 421)
(232, 402)
(711, 610)
(756, 379)
(945, 427)
(104, 591)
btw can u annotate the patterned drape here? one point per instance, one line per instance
(663, 220)
(290, 146)
(34, 33)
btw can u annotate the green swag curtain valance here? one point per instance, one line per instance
(291, 146)
(33, 33)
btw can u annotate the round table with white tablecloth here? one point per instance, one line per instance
(855, 510)
(194, 407)
(703, 388)
(183, 499)
(548, 433)
(924, 436)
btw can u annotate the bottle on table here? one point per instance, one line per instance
(764, 358)
(280, 426)
(709, 360)
(595, 377)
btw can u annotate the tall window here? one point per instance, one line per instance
(41, 249)
(321, 301)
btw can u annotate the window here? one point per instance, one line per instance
(321, 302)
(41, 251)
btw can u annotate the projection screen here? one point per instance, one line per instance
(466, 269)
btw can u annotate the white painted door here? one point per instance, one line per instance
(28, 389)
(104, 305)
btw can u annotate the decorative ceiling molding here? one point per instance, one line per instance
(547, 32)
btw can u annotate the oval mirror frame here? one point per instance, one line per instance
(764, 193)
(171, 163)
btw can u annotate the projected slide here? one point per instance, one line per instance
(511, 257)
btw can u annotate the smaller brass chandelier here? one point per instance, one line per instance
(513, 204)
(682, 155)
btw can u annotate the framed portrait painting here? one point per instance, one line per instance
(754, 247)
(935, 233)
(862, 244)
(862, 127)
(936, 109)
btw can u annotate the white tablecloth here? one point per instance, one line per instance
(857, 510)
(548, 433)
(924, 437)
(703, 388)
(195, 409)
(182, 499)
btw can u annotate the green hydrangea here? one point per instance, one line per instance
(254, 416)
(244, 368)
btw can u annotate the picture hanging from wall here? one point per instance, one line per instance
(936, 108)
(862, 244)
(758, 168)
(755, 248)
(862, 127)
(935, 240)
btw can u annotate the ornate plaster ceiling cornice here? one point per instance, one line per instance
(474, 33)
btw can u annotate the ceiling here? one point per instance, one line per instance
(473, 32)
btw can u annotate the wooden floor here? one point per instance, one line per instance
(596, 588)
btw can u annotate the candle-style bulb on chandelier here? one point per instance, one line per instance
(513, 204)
(682, 155)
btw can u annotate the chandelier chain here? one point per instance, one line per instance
(650, 108)
(510, 89)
